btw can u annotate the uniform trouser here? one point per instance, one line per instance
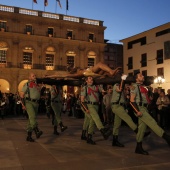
(147, 120)
(57, 111)
(93, 112)
(121, 114)
(86, 121)
(32, 110)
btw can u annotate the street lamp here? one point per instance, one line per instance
(159, 80)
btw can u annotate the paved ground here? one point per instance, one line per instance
(68, 152)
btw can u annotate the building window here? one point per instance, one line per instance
(2, 57)
(3, 26)
(163, 32)
(159, 56)
(27, 60)
(160, 72)
(28, 29)
(90, 62)
(49, 62)
(144, 60)
(130, 63)
(70, 60)
(144, 73)
(91, 37)
(142, 41)
(50, 32)
(69, 34)
(167, 50)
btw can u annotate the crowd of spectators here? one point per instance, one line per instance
(159, 107)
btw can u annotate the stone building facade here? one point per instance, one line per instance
(45, 43)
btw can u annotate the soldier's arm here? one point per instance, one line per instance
(22, 94)
(84, 104)
(134, 105)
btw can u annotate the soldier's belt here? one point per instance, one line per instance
(32, 100)
(93, 103)
(143, 104)
(121, 104)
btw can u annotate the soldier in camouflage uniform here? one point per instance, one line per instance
(118, 108)
(90, 104)
(30, 96)
(139, 100)
(56, 104)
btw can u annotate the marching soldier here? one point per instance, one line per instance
(30, 96)
(139, 100)
(118, 108)
(90, 104)
(56, 104)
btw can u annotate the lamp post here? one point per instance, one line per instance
(159, 80)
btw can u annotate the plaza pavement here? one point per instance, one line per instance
(68, 152)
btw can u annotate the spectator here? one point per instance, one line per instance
(162, 103)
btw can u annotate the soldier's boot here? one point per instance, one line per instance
(139, 149)
(106, 132)
(115, 141)
(63, 128)
(146, 133)
(83, 135)
(167, 138)
(38, 132)
(29, 137)
(55, 131)
(89, 140)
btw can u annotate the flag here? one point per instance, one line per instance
(35, 1)
(59, 3)
(45, 2)
(67, 5)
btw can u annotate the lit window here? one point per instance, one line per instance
(27, 60)
(70, 60)
(2, 57)
(49, 61)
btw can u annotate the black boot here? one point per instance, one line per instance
(55, 131)
(146, 133)
(89, 140)
(115, 141)
(167, 138)
(106, 132)
(38, 133)
(83, 135)
(63, 128)
(139, 149)
(29, 137)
